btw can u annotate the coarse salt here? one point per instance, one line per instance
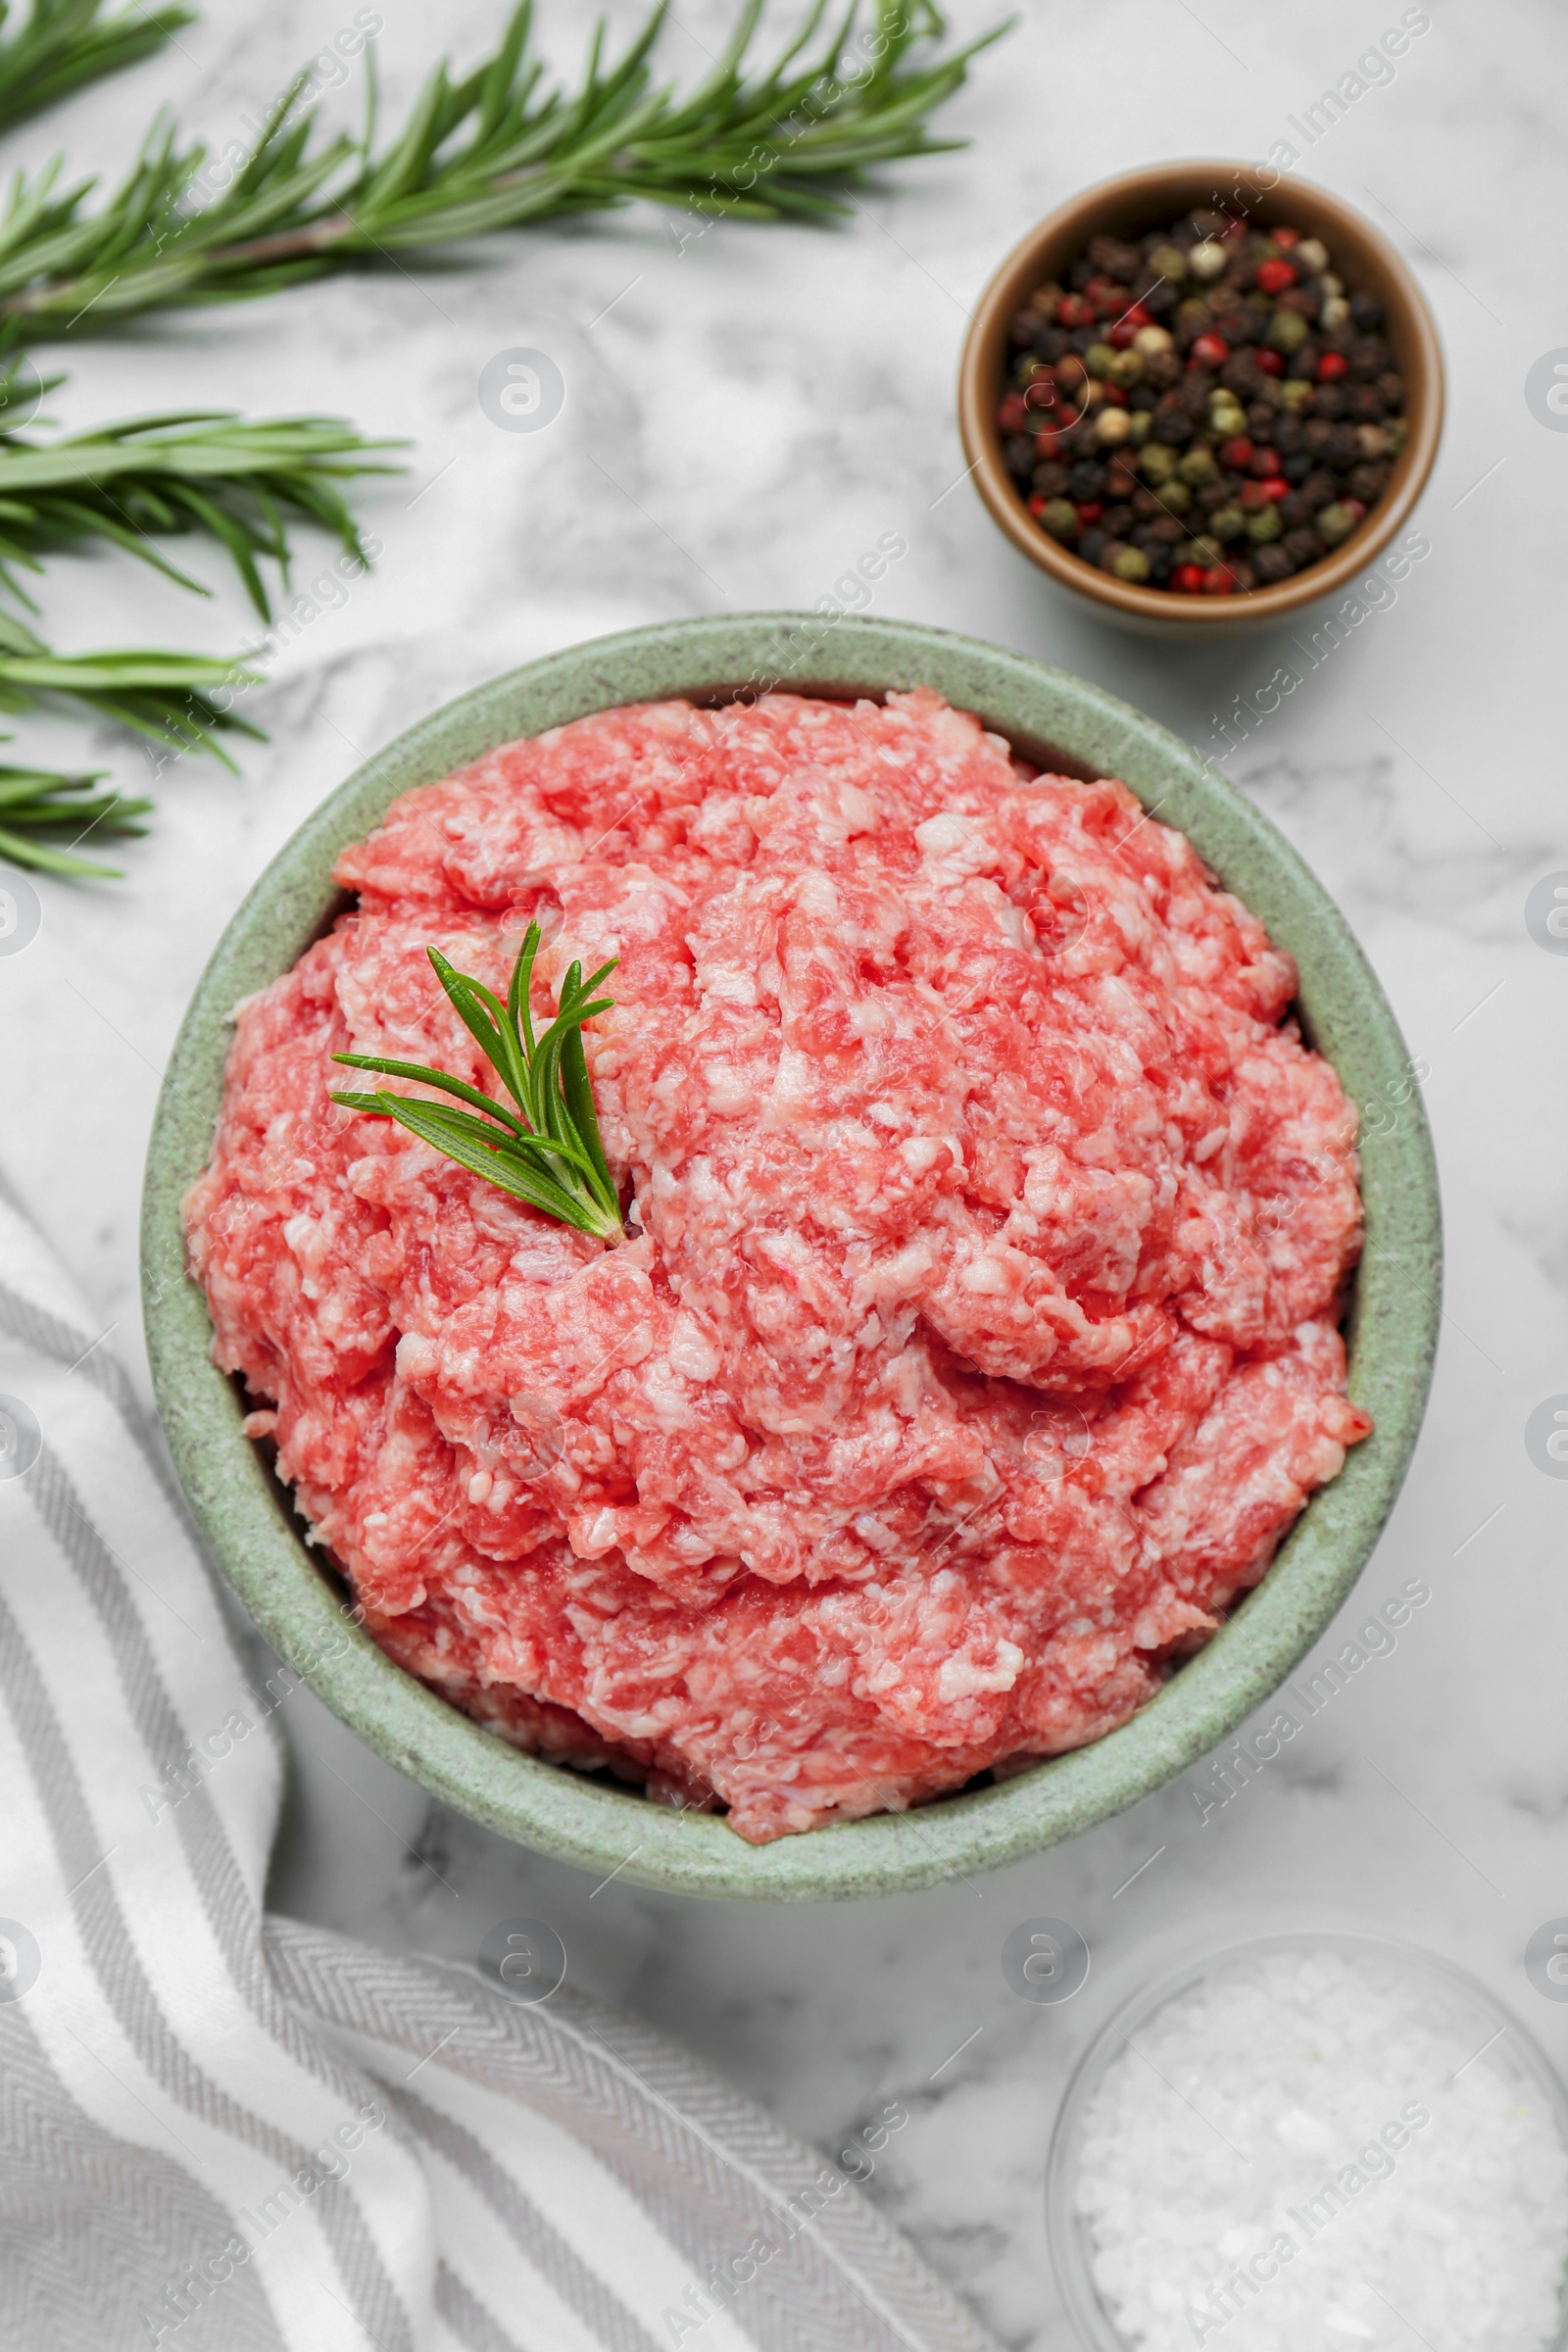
(1317, 2146)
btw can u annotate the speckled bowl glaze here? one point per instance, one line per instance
(294, 1596)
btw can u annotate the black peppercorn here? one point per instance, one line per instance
(1175, 495)
(1241, 374)
(1304, 546)
(1368, 482)
(1114, 259)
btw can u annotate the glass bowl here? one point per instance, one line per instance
(1445, 1994)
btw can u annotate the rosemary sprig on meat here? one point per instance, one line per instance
(548, 1153)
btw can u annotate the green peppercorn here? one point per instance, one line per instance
(1156, 463)
(1288, 332)
(1175, 495)
(1100, 359)
(1335, 522)
(1170, 262)
(1398, 431)
(1296, 393)
(1138, 426)
(1205, 551)
(1192, 317)
(1130, 563)
(1196, 466)
(1126, 369)
(1061, 518)
(1265, 525)
(1227, 523)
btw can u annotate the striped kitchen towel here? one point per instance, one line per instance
(221, 2132)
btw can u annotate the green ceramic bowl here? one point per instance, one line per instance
(590, 1820)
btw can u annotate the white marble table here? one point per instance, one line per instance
(742, 418)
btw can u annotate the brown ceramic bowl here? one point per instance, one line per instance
(1128, 206)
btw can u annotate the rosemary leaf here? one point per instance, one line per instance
(168, 697)
(548, 1153)
(60, 45)
(494, 149)
(37, 801)
(202, 471)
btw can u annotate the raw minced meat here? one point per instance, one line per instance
(975, 1341)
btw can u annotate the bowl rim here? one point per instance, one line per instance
(1179, 184)
(1066, 2232)
(586, 1819)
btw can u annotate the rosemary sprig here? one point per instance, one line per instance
(37, 801)
(548, 1153)
(60, 45)
(195, 470)
(482, 151)
(170, 698)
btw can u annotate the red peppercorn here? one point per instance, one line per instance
(1217, 581)
(1074, 310)
(1013, 416)
(1209, 351)
(1254, 498)
(1048, 443)
(1274, 488)
(1090, 511)
(1187, 578)
(1331, 366)
(1121, 335)
(1264, 462)
(1271, 362)
(1290, 238)
(1037, 507)
(1042, 394)
(1273, 276)
(1236, 455)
